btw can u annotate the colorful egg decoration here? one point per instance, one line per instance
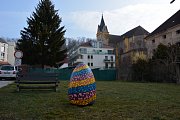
(82, 86)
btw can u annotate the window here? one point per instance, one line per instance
(3, 55)
(3, 49)
(106, 57)
(91, 64)
(83, 50)
(88, 64)
(112, 65)
(100, 44)
(81, 56)
(164, 36)
(153, 41)
(94, 44)
(88, 56)
(7, 68)
(178, 32)
(111, 58)
(106, 65)
(91, 56)
(110, 51)
(99, 51)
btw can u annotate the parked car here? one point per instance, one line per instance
(8, 72)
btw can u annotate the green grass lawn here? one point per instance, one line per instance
(115, 101)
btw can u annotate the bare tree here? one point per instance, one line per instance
(169, 56)
(173, 56)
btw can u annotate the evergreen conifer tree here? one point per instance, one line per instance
(43, 42)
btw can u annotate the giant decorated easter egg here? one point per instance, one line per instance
(82, 86)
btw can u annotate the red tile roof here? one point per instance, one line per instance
(4, 63)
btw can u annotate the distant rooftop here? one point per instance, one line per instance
(172, 21)
(2, 40)
(89, 44)
(134, 32)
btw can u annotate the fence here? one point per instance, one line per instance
(106, 74)
(65, 73)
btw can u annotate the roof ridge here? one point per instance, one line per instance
(170, 22)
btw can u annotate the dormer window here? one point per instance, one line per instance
(164, 36)
(153, 41)
(93, 44)
(178, 32)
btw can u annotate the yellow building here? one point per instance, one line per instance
(130, 46)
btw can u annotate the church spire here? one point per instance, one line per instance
(102, 24)
(102, 27)
(102, 32)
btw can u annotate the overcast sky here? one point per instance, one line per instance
(81, 17)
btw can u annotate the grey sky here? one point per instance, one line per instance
(81, 17)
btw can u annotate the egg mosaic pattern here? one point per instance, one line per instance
(82, 87)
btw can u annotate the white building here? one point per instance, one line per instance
(166, 33)
(4, 51)
(7, 50)
(93, 53)
(11, 50)
(65, 63)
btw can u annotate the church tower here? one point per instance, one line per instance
(102, 32)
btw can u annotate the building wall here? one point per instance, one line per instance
(3, 52)
(96, 57)
(11, 50)
(103, 36)
(170, 36)
(131, 49)
(126, 45)
(97, 61)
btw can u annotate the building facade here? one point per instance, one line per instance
(11, 51)
(167, 33)
(4, 51)
(132, 46)
(102, 32)
(93, 53)
(7, 52)
(129, 47)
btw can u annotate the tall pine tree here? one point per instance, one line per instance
(43, 42)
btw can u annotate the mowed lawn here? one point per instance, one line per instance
(115, 101)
